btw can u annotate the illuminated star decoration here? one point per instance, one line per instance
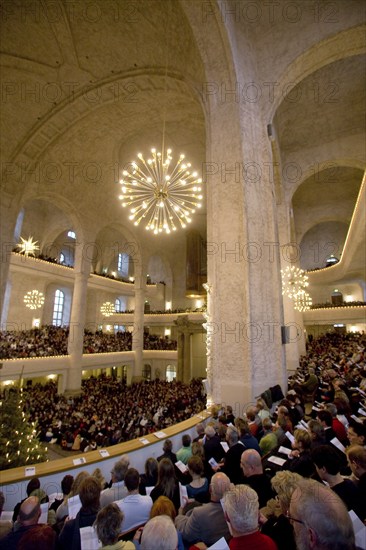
(158, 195)
(33, 299)
(28, 246)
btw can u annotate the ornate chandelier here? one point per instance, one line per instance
(294, 281)
(303, 301)
(33, 299)
(108, 309)
(160, 195)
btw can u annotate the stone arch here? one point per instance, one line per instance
(347, 43)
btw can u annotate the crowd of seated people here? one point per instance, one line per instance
(109, 412)
(48, 340)
(237, 491)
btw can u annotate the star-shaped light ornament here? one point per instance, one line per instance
(28, 246)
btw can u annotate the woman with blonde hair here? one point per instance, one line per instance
(277, 525)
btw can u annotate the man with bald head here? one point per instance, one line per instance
(251, 464)
(29, 513)
(206, 523)
(319, 518)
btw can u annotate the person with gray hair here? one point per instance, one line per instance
(118, 489)
(159, 533)
(320, 518)
(206, 523)
(241, 509)
(108, 527)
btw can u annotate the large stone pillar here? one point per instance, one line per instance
(138, 330)
(7, 225)
(77, 319)
(185, 329)
(245, 313)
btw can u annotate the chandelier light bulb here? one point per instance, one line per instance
(159, 195)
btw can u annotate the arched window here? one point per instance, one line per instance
(170, 373)
(58, 308)
(71, 234)
(62, 258)
(123, 264)
(117, 305)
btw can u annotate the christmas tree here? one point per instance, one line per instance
(18, 436)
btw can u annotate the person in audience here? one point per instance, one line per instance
(135, 507)
(28, 516)
(108, 525)
(163, 506)
(206, 523)
(41, 537)
(167, 483)
(97, 474)
(246, 437)
(229, 414)
(280, 429)
(118, 489)
(150, 477)
(326, 420)
(356, 433)
(33, 489)
(159, 533)
(230, 464)
(254, 421)
(310, 383)
(268, 441)
(63, 510)
(168, 452)
(90, 504)
(241, 512)
(66, 484)
(254, 476)
(262, 408)
(327, 465)
(275, 524)
(338, 428)
(212, 445)
(200, 429)
(320, 518)
(185, 452)
(5, 525)
(299, 459)
(198, 487)
(316, 432)
(356, 455)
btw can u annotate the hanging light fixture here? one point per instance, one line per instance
(108, 309)
(294, 280)
(303, 301)
(160, 193)
(160, 196)
(33, 299)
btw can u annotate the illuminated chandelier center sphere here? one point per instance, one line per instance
(160, 195)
